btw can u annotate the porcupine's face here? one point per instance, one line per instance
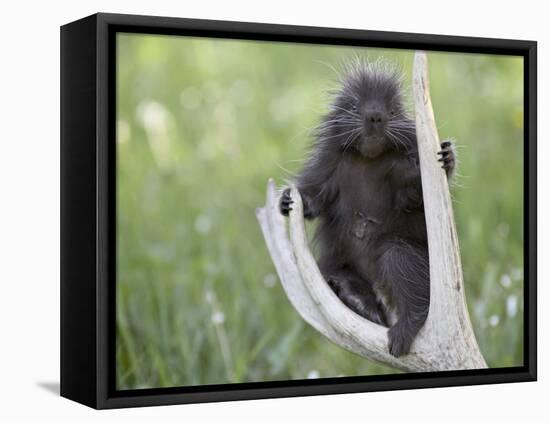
(368, 116)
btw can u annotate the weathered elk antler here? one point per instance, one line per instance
(447, 341)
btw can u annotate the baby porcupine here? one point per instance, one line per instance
(362, 181)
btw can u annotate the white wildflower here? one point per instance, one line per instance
(218, 318)
(506, 280)
(511, 305)
(203, 224)
(270, 280)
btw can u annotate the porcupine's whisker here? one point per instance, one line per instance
(401, 131)
(396, 142)
(402, 128)
(402, 138)
(350, 139)
(396, 137)
(341, 134)
(338, 122)
(401, 121)
(329, 132)
(349, 112)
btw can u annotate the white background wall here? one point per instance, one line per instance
(29, 209)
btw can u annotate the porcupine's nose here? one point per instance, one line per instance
(375, 118)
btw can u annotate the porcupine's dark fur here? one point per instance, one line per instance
(362, 182)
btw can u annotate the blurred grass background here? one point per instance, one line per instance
(201, 125)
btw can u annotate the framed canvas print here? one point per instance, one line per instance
(257, 211)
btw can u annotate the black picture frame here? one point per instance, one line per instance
(88, 198)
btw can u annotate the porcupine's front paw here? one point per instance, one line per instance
(448, 157)
(285, 202)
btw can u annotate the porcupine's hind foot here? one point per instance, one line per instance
(359, 296)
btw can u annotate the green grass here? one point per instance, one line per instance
(202, 125)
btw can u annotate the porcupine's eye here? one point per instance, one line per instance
(354, 106)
